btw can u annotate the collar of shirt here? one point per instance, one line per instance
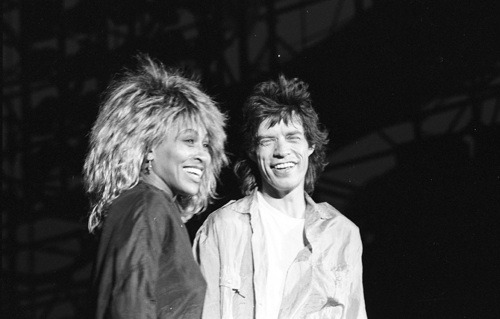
(314, 216)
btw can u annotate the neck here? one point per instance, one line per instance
(291, 203)
(156, 181)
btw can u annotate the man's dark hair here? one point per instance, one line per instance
(288, 100)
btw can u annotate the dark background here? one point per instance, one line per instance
(428, 221)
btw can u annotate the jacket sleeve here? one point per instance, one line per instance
(356, 305)
(206, 252)
(134, 297)
(134, 291)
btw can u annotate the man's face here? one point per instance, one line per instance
(282, 155)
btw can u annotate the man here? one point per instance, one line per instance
(276, 253)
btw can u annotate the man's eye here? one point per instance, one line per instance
(189, 141)
(265, 141)
(206, 145)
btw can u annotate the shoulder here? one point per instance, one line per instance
(334, 218)
(339, 231)
(143, 207)
(336, 215)
(233, 216)
(232, 211)
(147, 198)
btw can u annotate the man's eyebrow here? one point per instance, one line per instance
(260, 137)
(294, 132)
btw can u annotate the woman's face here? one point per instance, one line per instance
(181, 159)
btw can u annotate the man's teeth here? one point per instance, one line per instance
(284, 165)
(192, 170)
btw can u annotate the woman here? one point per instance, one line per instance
(156, 150)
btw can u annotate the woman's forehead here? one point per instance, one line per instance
(190, 124)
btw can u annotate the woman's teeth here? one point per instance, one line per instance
(194, 171)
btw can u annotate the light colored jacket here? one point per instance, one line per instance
(324, 281)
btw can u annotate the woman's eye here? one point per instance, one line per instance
(206, 145)
(189, 141)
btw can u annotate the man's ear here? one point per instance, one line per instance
(252, 156)
(311, 150)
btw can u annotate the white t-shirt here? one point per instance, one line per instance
(283, 237)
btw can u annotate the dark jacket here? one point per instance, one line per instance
(144, 266)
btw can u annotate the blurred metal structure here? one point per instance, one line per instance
(468, 122)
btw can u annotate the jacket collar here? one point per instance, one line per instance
(317, 209)
(247, 205)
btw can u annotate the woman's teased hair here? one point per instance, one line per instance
(139, 110)
(287, 100)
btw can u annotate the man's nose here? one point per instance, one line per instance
(282, 149)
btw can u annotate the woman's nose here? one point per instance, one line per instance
(203, 153)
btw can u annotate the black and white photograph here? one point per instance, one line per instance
(250, 159)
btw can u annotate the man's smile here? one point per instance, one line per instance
(285, 165)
